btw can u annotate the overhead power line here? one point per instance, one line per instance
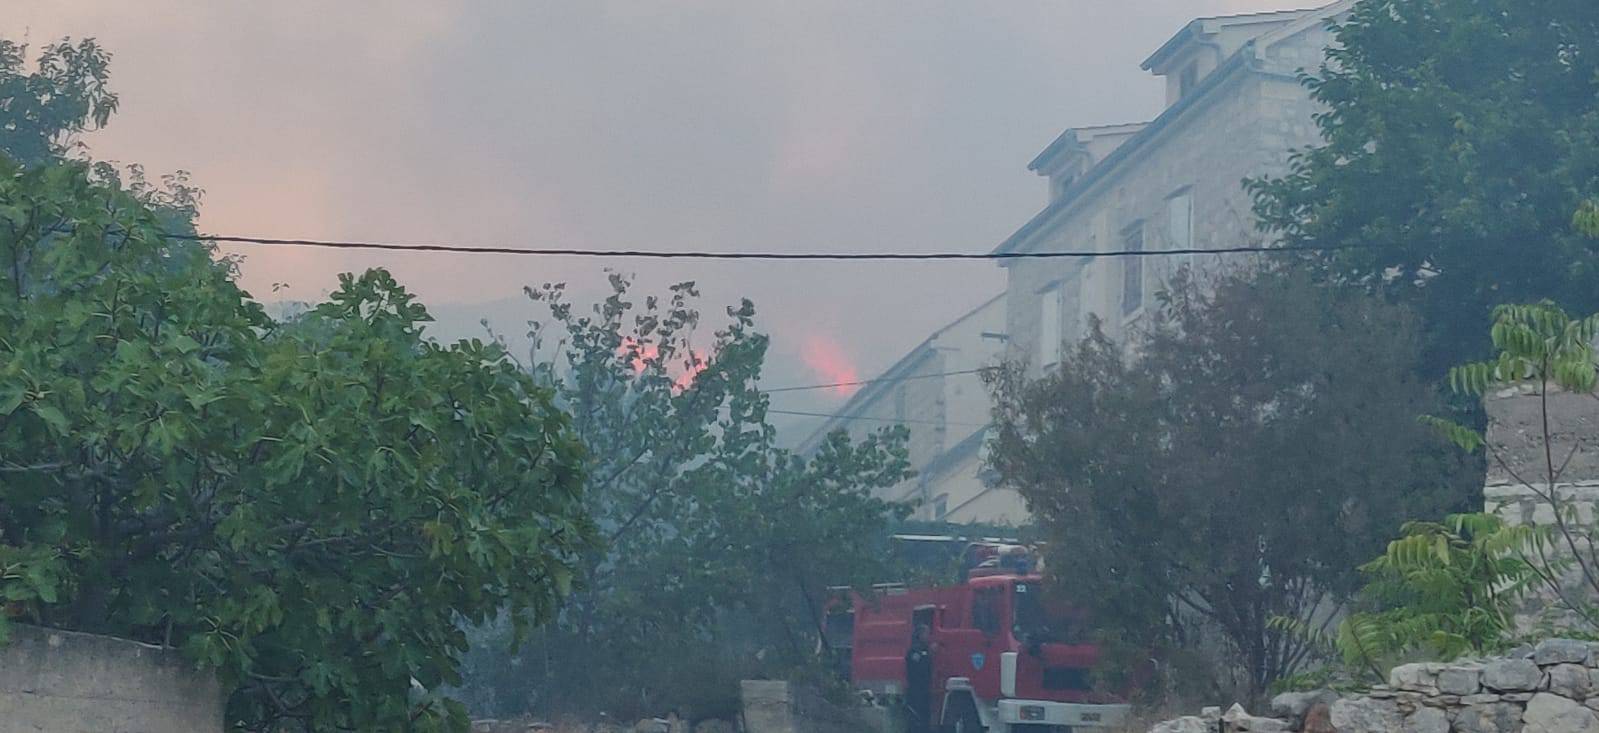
(859, 382)
(907, 421)
(710, 255)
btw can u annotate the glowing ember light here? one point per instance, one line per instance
(826, 358)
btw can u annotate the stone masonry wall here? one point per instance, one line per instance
(64, 682)
(1518, 482)
(1550, 688)
(1516, 437)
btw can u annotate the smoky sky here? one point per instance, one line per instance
(726, 125)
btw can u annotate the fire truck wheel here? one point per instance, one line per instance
(962, 717)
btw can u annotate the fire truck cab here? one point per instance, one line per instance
(1000, 657)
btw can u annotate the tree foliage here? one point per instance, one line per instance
(1230, 465)
(1545, 351)
(1456, 587)
(1441, 590)
(1459, 139)
(720, 546)
(43, 108)
(309, 508)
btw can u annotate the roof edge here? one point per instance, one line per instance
(1245, 60)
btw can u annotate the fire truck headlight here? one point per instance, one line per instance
(1032, 712)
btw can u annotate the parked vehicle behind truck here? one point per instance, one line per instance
(999, 656)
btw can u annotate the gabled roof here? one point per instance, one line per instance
(878, 386)
(1212, 24)
(1076, 139)
(1249, 58)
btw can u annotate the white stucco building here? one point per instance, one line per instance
(1234, 109)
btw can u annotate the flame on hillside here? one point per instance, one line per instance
(828, 361)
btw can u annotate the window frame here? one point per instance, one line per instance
(1133, 239)
(1050, 301)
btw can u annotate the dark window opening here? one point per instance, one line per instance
(1133, 270)
(1188, 80)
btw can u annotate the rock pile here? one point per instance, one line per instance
(1550, 688)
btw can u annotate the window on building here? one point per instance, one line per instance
(900, 408)
(1133, 270)
(1049, 326)
(1188, 79)
(1180, 220)
(941, 506)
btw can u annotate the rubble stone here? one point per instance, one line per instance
(1561, 651)
(1365, 715)
(1415, 677)
(1426, 720)
(1569, 680)
(1550, 713)
(1511, 675)
(1460, 680)
(1499, 717)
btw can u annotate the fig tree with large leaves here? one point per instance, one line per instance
(310, 508)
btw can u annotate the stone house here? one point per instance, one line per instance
(935, 392)
(1234, 109)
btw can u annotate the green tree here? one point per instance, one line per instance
(1444, 589)
(719, 545)
(310, 508)
(1262, 443)
(1441, 590)
(1459, 138)
(1542, 349)
(66, 92)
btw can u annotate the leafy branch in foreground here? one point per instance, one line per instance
(310, 508)
(1542, 353)
(1443, 589)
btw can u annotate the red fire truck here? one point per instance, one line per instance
(999, 656)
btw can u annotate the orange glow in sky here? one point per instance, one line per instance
(826, 358)
(641, 356)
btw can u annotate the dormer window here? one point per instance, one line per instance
(1188, 79)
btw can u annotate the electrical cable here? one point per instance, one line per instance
(859, 382)
(709, 255)
(906, 421)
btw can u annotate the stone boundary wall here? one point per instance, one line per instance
(1550, 688)
(65, 682)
